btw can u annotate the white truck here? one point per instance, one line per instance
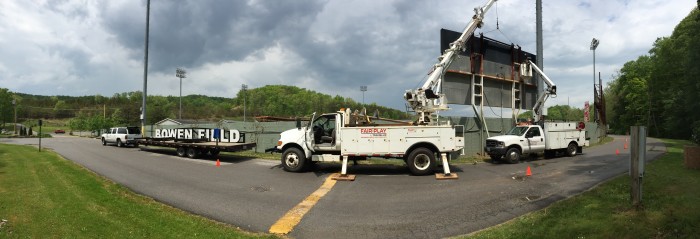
(121, 136)
(555, 137)
(344, 135)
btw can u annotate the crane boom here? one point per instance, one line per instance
(428, 99)
(551, 90)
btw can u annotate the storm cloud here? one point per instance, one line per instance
(82, 47)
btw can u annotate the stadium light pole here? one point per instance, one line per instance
(363, 88)
(594, 45)
(244, 87)
(180, 73)
(145, 72)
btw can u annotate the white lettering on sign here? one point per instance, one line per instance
(231, 136)
(372, 132)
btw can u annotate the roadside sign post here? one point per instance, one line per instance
(40, 122)
(637, 159)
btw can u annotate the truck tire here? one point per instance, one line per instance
(119, 143)
(293, 160)
(104, 142)
(571, 149)
(512, 155)
(181, 151)
(421, 161)
(214, 152)
(192, 153)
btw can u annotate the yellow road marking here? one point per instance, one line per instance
(287, 223)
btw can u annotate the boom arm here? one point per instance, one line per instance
(428, 99)
(551, 90)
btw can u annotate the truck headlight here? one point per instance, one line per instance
(500, 144)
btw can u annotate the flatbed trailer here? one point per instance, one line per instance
(195, 148)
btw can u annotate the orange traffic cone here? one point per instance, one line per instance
(617, 151)
(218, 163)
(528, 172)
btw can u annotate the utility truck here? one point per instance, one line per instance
(344, 135)
(347, 135)
(542, 137)
(550, 139)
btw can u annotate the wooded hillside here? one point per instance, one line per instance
(124, 108)
(662, 89)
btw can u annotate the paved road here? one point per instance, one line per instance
(384, 201)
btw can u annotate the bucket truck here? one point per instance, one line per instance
(549, 138)
(346, 135)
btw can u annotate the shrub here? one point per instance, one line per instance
(695, 135)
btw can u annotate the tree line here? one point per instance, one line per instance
(661, 90)
(125, 108)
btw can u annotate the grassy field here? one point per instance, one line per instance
(45, 196)
(671, 198)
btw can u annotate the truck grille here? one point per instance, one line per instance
(491, 143)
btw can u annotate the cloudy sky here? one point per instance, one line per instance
(86, 47)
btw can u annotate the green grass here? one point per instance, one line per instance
(669, 207)
(45, 196)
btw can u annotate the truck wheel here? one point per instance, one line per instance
(293, 160)
(512, 155)
(192, 153)
(181, 151)
(214, 152)
(421, 161)
(119, 143)
(571, 150)
(104, 142)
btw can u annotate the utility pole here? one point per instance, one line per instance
(244, 87)
(540, 52)
(180, 73)
(145, 72)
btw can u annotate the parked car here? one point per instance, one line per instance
(121, 136)
(59, 131)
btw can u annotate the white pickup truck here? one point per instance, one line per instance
(121, 136)
(338, 136)
(566, 137)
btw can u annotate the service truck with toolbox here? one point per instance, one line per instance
(344, 136)
(555, 137)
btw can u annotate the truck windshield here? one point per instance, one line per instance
(517, 131)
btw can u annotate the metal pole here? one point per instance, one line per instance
(594, 45)
(540, 52)
(180, 98)
(244, 87)
(145, 71)
(14, 105)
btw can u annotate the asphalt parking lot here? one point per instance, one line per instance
(383, 202)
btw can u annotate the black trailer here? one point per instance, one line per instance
(195, 148)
